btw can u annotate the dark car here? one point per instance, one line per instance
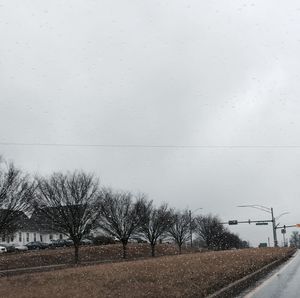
(37, 245)
(61, 243)
(57, 243)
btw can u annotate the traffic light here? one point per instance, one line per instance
(232, 222)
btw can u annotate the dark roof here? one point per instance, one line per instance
(41, 222)
(22, 222)
(26, 224)
(46, 219)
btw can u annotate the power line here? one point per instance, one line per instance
(20, 144)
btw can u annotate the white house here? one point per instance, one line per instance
(32, 229)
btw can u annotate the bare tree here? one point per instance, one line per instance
(228, 240)
(16, 192)
(295, 239)
(156, 224)
(180, 227)
(210, 229)
(120, 216)
(69, 203)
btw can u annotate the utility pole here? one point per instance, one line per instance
(191, 228)
(283, 236)
(274, 228)
(191, 224)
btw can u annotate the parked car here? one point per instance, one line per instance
(21, 248)
(70, 242)
(2, 249)
(57, 243)
(37, 245)
(103, 240)
(9, 247)
(86, 242)
(61, 243)
(137, 240)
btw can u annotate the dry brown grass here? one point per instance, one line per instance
(189, 275)
(87, 254)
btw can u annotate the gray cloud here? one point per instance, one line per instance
(159, 73)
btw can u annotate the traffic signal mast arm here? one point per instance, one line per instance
(292, 226)
(235, 222)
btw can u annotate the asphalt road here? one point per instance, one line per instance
(284, 283)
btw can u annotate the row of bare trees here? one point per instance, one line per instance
(74, 204)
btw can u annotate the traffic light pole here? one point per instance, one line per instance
(263, 222)
(274, 228)
(273, 219)
(259, 222)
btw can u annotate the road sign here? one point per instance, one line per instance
(232, 222)
(262, 223)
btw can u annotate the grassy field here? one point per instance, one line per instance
(87, 254)
(188, 275)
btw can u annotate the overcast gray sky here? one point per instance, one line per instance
(187, 73)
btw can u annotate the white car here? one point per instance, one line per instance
(21, 247)
(2, 249)
(86, 242)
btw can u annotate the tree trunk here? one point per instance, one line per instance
(76, 256)
(124, 250)
(152, 250)
(179, 247)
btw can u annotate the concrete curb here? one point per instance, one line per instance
(238, 286)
